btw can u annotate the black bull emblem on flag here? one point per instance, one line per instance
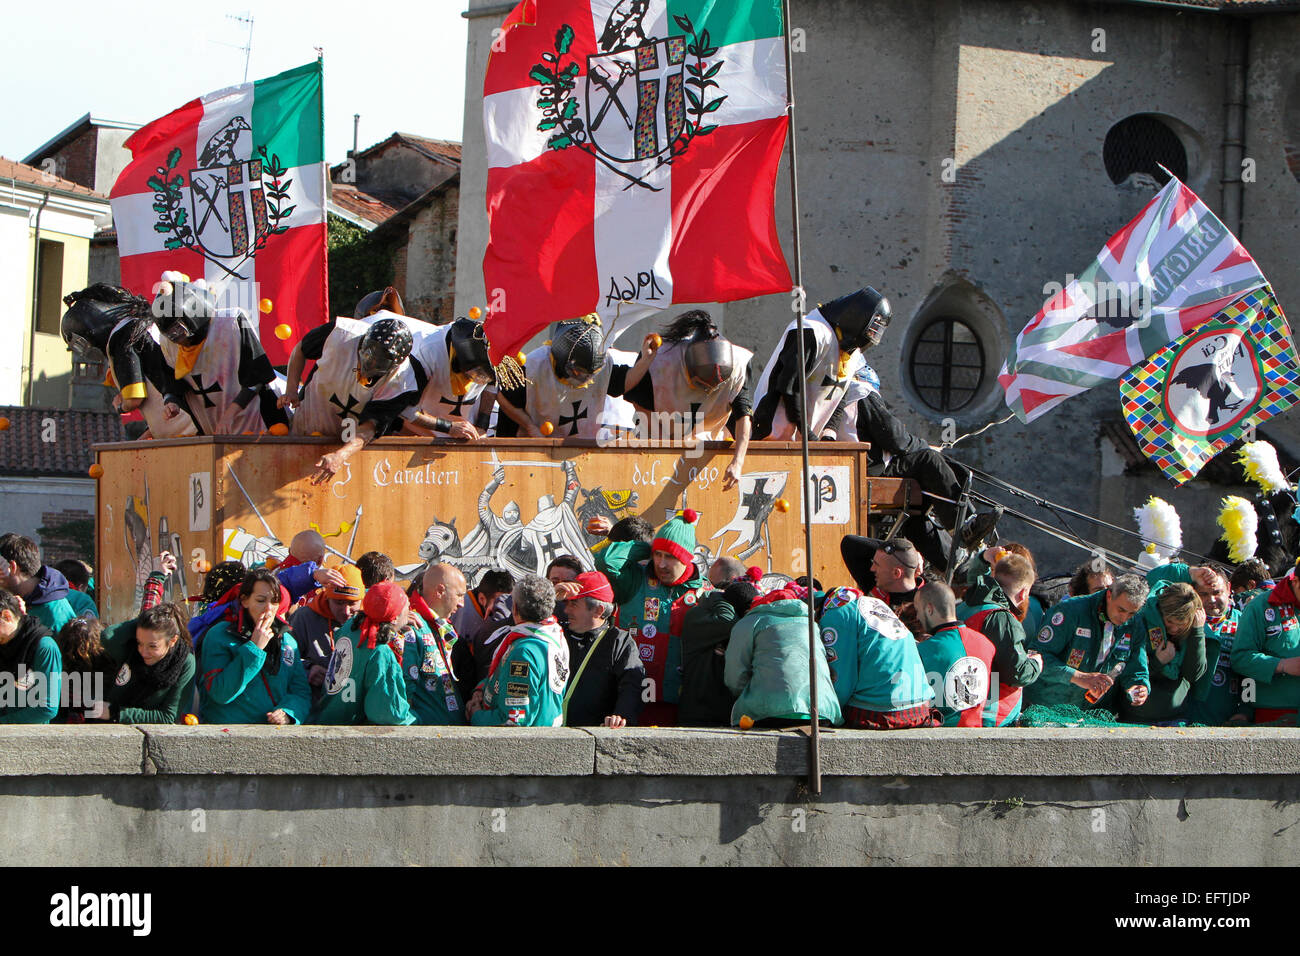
(229, 208)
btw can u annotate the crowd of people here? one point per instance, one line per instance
(651, 638)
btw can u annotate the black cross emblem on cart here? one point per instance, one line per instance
(552, 548)
(456, 404)
(346, 411)
(205, 392)
(572, 420)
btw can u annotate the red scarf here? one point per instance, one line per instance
(421, 607)
(1285, 592)
(383, 604)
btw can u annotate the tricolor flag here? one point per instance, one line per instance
(1170, 269)
(230, 187)
(632, 151)
(1199, 394)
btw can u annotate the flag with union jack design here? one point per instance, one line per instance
(1172, 268)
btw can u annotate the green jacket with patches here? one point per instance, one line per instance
(1267, 633)
(645, 610)
(1071, 641)
(363, 685)
(525, 688)
(1014, 665)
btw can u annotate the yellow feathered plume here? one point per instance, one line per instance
(1239, 523)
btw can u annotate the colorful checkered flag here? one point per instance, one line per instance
(1199, 394)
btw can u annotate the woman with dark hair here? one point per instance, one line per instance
(154, 666)
(693, 373)
(88, 666)
(250, 670)
(30, 665)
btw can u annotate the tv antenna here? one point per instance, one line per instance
(245, 17)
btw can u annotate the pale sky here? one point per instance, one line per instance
(399, 63)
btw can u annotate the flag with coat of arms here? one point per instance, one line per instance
(1199, 394)
(1174, 266)
(632, 150)
(230, 188)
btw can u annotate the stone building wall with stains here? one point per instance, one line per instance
(951, 155)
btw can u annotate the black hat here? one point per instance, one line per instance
(469, 350)
(94, 312)
(183, 309)
(385, 300)
(858, 553)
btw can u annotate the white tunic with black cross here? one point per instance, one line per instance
(332, 393)
(438, 398)
(231, 358)
(575, 412)
(825, 386)
(710, 411)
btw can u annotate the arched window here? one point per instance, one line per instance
(1142, 144)
(947, 364)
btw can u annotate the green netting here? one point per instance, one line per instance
(1065, 715)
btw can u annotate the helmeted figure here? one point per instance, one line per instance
(697, 377)
(110, 320)
(382, 300)
(834, 334)
(220, 370)
(363, 372)
(455, 363)
(567, 384)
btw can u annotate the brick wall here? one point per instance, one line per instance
(56, 545)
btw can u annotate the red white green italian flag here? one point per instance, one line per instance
(230, 188)
(632, 151)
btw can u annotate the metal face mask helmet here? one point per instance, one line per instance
(183, 310)
(577, 350)
(385, 346)
(87, 324)
(469, 351)
(709, 363)
(386, 300)
(859, 318)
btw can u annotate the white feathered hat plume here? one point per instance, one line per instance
(1162, 532)
(1259, 459)
(1239, 522)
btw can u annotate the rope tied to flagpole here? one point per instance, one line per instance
(1002, 421)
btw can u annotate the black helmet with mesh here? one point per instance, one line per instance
(382, 349)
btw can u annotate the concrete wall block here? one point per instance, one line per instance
(699, 752)
(382, 751)
(54, 750)
(1026, 752)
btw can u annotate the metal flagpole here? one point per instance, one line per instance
(814, 741)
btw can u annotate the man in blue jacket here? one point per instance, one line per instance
(44, 590)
